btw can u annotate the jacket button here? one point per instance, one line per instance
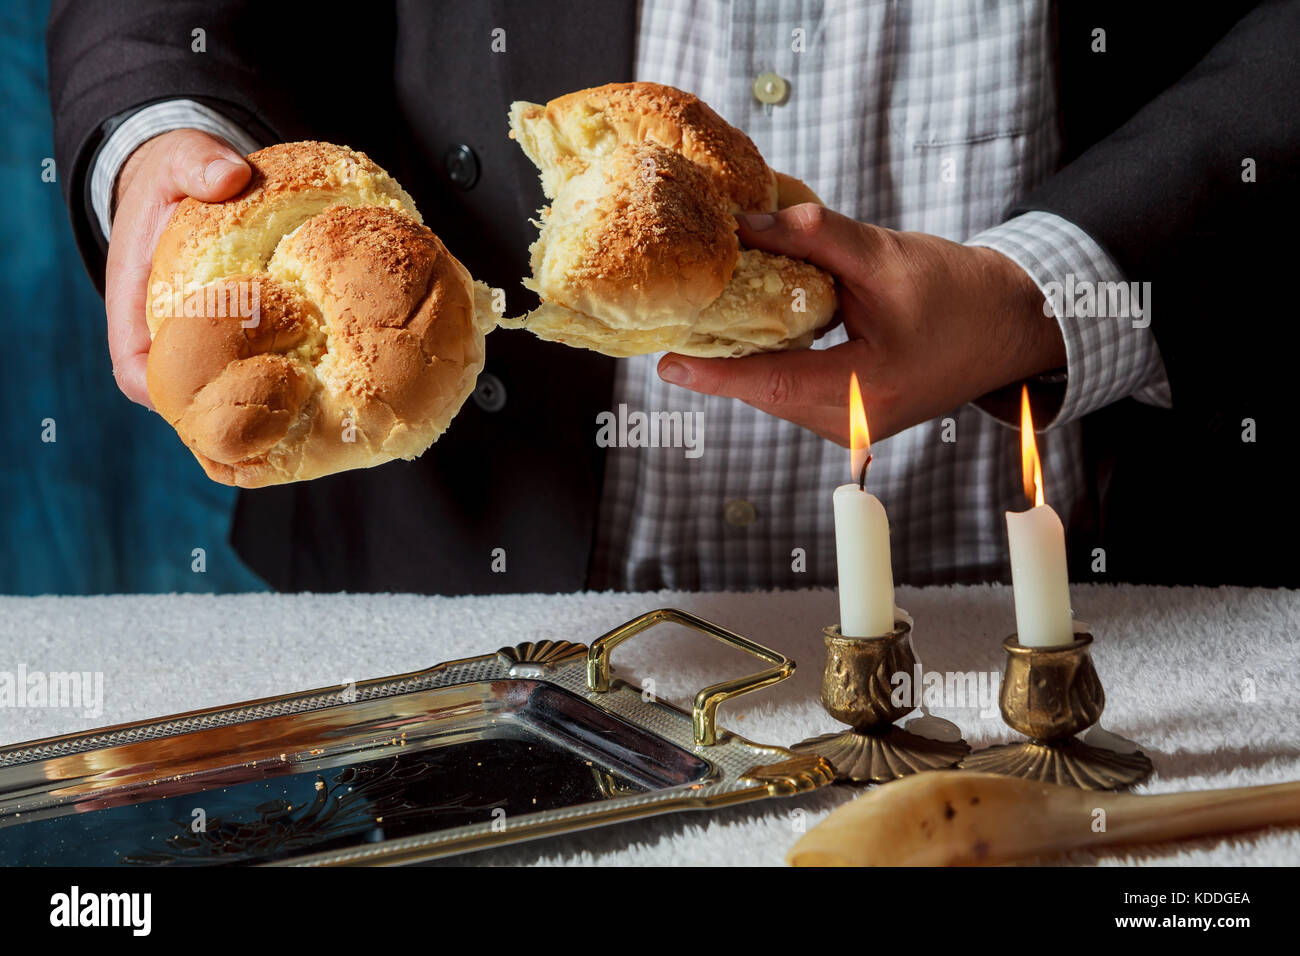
(739, 513)
(462, 166)
(489, 393)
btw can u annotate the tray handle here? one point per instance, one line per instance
(704, 712)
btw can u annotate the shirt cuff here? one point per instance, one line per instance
(144, 125)
(1110, 350)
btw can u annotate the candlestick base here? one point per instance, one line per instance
(1071, 763)
(857, 689)
(878, 756)
(1050, 694)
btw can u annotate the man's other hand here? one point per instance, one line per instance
(932, 325)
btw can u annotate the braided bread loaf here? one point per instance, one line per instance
(311, 324)
(637, 252)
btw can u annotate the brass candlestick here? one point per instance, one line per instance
(1050, 694)
(857, 690)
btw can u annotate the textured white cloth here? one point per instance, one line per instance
(1174, 661)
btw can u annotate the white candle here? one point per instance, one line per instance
(862, 554)
(1039, 578)
(862, 558)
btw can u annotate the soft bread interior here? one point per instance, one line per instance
(637, 240)
(559, 151)
(755, 311)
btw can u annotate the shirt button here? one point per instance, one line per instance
(771, 88)
(489, 393)
(740, 513)
(462, 166)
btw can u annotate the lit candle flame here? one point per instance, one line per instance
(1031, 466)
(859, 437)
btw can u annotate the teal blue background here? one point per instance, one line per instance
(117, 503)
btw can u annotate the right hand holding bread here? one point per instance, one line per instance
(153, 181)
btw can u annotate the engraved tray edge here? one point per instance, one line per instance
(743, 770)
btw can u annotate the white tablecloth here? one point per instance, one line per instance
(1206, 680)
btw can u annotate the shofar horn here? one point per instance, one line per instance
(955, 818)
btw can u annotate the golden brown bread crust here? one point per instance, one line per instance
(637, 252)
(583, 125)
(230, 390)
(366, 337)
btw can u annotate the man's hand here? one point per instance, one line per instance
(932, 325)
(156, 177)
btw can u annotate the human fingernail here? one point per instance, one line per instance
(216, 169)
(675, 373)
(757, 221)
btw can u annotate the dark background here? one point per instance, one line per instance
(117, 504)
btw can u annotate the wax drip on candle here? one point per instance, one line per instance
(1099, 736)
(936, 728)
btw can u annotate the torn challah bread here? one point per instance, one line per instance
(311, 324)
(637, 251)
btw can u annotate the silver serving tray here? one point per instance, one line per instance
(532, 741)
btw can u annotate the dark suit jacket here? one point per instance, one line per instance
(415, 80)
